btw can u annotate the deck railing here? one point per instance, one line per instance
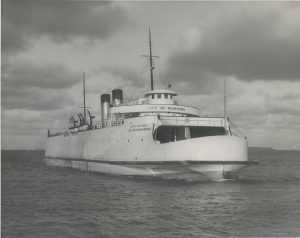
(236, 131)
(98, 125)
(192, 121)
(108, 123)
(166, 120)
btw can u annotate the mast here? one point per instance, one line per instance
(225, 113)
(151, 61)
(225, 103)
(84, 108)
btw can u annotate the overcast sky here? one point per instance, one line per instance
(46, 45)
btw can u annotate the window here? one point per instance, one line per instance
(131, 115)
(152, 96)
(199, 131)
(166, 95)
(171, 96)
(158, 95)
(166, 134)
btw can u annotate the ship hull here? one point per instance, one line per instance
(124, 151)
(202, 170)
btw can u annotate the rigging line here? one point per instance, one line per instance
(136, 69)
(145, 75)
(143, 68)
(158, 80)
(161, 77)
(145, 71)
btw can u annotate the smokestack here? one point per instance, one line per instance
(105, 105)
(117, 97)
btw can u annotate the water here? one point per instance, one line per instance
(41, 201)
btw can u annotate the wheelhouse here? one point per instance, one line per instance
(160, 97)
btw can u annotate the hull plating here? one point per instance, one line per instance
(129, 149)
(170, 170)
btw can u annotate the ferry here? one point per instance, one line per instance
(151, 136)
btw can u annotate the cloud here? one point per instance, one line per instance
(38, 87)
(35, 99)
(254, 45)
(27, 74)
(260, 107)
(129, 76)
(264, 112)
(61, 21)
(242, 40)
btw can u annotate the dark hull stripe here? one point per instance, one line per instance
(185, 162)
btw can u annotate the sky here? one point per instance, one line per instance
(47, 45)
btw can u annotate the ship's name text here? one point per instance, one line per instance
(168, 108)
(140, 128)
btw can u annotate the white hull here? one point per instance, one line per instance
(119, 150)
(216, 171)
(122, 143)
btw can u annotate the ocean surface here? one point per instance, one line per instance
(41, 201)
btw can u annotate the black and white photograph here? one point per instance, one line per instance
(150, 119)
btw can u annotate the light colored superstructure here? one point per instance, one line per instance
(150, 136)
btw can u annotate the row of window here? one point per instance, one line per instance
(165, 134)
(162, 95)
